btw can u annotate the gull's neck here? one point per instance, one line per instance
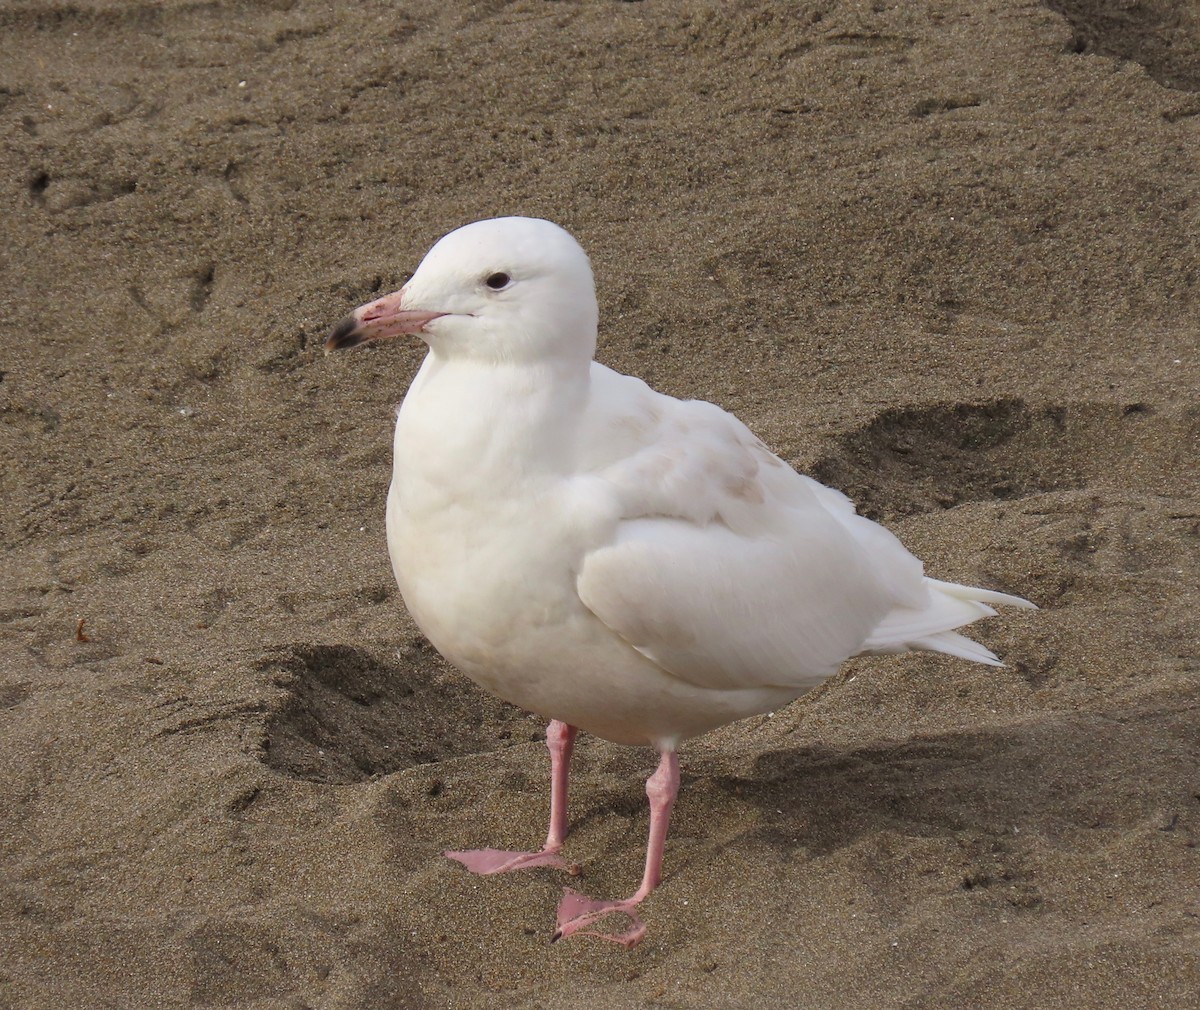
(492, 419)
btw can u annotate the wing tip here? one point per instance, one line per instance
(977, 595)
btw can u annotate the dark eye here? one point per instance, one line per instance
(498, 281)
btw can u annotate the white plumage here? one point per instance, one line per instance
(621, 561)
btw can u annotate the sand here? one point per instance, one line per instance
(941, 255)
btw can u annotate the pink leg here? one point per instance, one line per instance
(576, 912)
(560, 738)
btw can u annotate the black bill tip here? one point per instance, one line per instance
(347, 333)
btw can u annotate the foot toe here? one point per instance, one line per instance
(489, 861)
(577, 912)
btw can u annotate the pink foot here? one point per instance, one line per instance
(489, 861)
(576, 912)
(560, 739)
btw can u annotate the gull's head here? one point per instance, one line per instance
(503, 290)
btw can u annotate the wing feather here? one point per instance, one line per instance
(731, 570)
(725, 566)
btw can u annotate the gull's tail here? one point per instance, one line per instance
(932, 627)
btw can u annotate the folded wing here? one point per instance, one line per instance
(730, 570)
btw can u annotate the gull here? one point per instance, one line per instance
(619, 561)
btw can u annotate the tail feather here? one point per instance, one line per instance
(931, 628)
(954, 644)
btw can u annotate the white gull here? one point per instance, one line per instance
(619, 561)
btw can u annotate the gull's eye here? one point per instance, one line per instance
(498, 281)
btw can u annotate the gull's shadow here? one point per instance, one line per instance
(1065, 776)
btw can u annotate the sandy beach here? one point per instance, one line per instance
(942, 256)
